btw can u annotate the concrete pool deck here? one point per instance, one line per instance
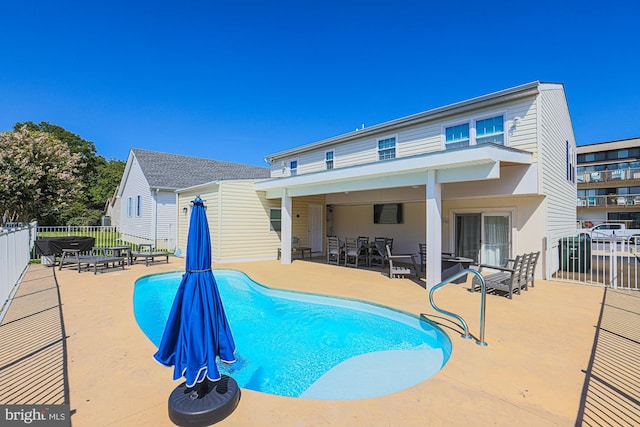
(551, 359)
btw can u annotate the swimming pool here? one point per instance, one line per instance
(306, 345)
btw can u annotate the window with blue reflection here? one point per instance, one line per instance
(328, 157)
(387, 148)
(457, 136)
(490, 130)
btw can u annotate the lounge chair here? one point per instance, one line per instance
(400, 270)
(73, 258)
(146, 252)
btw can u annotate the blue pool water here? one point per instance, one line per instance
(303, 345)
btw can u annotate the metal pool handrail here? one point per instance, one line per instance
(483, 301)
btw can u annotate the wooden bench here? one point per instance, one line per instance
(147, 254)
(509, 278)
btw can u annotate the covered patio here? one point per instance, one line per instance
(418, 179)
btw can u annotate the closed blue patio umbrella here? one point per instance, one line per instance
(196, 334)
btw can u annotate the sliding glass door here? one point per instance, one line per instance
(483, 237)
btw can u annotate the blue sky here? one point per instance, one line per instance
(238, 80)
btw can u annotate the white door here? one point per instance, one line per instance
(315, 228)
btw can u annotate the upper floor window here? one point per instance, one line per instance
(293, 168)
(130, 207)
(139, 206)
(474, 132)
(387, 148)
(328, 159)
(490, 130)
(457, 136)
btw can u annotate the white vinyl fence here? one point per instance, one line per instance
(613, 262)
(15, 248)
(103, 235)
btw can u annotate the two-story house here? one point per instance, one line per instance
(487, 178)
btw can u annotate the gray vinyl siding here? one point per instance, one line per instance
(137, 229)
(166, 220)
(420, 139)
(555, 129)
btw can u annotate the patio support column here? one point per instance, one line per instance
(434, 230)
(285, 233)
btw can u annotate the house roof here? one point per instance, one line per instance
(436, 113)
(172, 171)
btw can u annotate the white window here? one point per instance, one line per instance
(328, 159)
(475, 132)
(275, 219)
(490, 130)
(293, 168)
(139, 206)
(457, 136)
(130, 207)
(387, 148)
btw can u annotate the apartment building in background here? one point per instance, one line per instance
(608, 178)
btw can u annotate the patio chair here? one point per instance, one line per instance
(334, 252)
(377, 252)
(400, 270)
(507, 279)
(423, 256)
(354, 252)
(531, 270)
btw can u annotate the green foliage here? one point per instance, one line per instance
(38, 176)
(104, 182)
(94, 178)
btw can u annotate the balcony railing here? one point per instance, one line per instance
(615, 175)
(609, 201)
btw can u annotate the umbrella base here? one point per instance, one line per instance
(193, 407)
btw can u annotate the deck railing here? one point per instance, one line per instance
(613, 262)
(614, 200)
(15, 247)
(615, 175)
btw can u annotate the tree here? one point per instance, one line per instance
(106, 179)
(39, 176)
(99, 176)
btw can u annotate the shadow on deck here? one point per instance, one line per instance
(33, 355)
(611, 392)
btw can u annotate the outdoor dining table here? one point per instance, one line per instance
(454, 264)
